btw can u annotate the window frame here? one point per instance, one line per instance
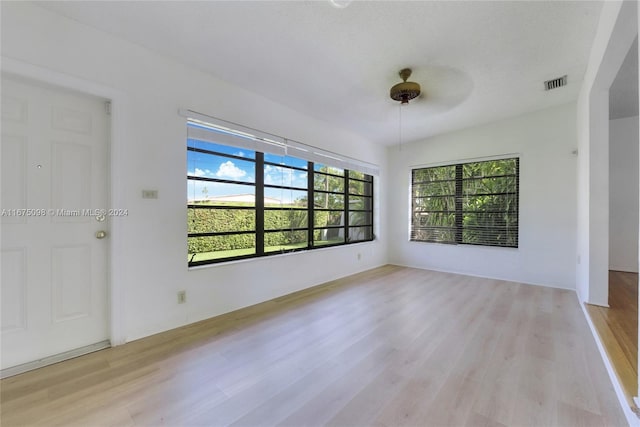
(260, 208)
(458, 228)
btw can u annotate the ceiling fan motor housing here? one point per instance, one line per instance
(405, 91)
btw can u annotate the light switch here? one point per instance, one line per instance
(149, 194)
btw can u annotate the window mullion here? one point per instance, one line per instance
(259, 202)
(517, 203)
(310, 204)
(369, 192)
(346, 206)
(458, 204)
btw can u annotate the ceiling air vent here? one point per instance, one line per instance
(555, 83)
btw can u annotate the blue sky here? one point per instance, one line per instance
(210, 166)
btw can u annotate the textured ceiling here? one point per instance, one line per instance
(476, 61)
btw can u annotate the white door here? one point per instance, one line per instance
(54, 178)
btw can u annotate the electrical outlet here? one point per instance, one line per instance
(182, 297)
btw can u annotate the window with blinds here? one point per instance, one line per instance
(247, 197)
(473, 203)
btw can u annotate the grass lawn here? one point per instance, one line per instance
(206, 256)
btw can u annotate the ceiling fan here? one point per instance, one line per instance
(405, 91)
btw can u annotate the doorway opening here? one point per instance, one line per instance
(617, 325)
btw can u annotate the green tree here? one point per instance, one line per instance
(488, 203)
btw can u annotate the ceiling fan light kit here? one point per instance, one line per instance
(405, 91)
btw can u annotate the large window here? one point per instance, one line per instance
(473, 203)
(245, 203)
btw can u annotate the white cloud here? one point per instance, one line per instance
(229, 170)
(200, 172)
(277, 175)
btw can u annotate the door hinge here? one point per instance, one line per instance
(107, 107)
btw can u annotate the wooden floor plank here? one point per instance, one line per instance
(617, 327)
(391, 346)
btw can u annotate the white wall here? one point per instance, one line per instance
(545, 141)
(617, 29)
(149, 263)
(623, 194)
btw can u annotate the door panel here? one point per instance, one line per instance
(14, 287)
(70, 282)
(14, 181)
(70, 189)
(54, 174)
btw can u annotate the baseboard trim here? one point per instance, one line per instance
(470, 274)
(40, 363)
(598, 305)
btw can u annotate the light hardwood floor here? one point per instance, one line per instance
(392, 346)
(617, 327)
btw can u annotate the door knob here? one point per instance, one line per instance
(101, 234)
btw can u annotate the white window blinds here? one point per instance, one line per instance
(220, 131)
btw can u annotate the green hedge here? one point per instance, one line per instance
(221, 220)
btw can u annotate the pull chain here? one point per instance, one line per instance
(400, 128)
